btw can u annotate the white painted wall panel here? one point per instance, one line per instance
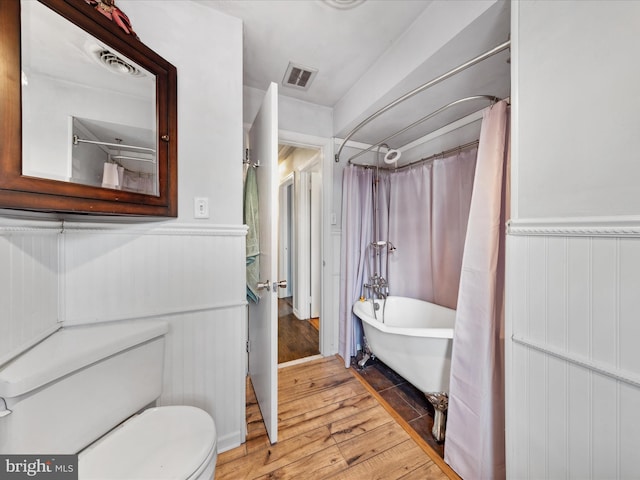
(193, 276)
(579, 418)
(205, 365)
(537, 291)
(557, 286)
(604, 295)
(579, 295)
(577, 111)
(537, 425)
(28, 271)
(114, 274)
(557, 409)
(334, 292)
(572, 313)
(629, 323)
(605, 427)
(629, 437)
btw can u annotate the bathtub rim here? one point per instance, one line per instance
(424, 332)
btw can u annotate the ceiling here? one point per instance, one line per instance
(340, 42)
(344, 43)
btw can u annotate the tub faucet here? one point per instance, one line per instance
(378, 286)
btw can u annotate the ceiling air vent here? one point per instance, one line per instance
(111, 60)
(298, 76)
(117, 64)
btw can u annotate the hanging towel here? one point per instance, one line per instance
(252, 220)
(110, 175)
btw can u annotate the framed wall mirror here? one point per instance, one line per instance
(88, 114)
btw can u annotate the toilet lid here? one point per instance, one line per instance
(160, 443)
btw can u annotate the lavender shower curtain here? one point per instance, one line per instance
(423, 211)
(357, 215)
(429, 208)
(475, 445)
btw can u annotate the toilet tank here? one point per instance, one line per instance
(77, 384)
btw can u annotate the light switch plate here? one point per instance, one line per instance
(201, 207)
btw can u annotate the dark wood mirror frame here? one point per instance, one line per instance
(30, 193)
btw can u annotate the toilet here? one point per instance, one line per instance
(91, 390)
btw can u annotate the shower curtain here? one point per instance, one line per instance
(423, 211)
(475, 445)
(429, 208)
(357, 214)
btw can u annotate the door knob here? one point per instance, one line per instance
(261, 285)
(281, 284)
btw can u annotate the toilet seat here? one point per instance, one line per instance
(173, 442)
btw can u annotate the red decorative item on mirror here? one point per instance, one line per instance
(108, 9)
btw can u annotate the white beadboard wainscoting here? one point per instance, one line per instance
(573, 348)
(190, 275)
(28, 283)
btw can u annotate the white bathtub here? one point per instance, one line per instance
(415, 339)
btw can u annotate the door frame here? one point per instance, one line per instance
(308, 221)
(286, 232)
(328, 303)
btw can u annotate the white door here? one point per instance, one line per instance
(263, 316)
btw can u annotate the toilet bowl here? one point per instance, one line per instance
(175, 442)
(87, 390)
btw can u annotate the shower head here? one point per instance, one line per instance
(392, 156)
(383, 243)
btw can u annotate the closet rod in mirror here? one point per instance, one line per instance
(77, 140)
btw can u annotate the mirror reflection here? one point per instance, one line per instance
(89, 113)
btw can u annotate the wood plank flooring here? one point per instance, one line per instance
(405, 399)
(296, 338)
(330, 425)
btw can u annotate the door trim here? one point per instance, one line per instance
(328, 306)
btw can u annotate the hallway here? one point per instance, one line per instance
(296, 338)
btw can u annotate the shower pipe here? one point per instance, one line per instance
(429, 84)
(491, 98)
(444, 153)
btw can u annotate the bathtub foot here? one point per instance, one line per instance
(363, 361)
(366, 354)
(440, 402)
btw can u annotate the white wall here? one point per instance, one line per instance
(573, 259)
(293, 115)
(209, 99)
(188, 273)
(577, 85)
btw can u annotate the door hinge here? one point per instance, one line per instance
(248, 346)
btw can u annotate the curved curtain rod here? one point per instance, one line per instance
(435, 156)
(491, 98)
(430, 83)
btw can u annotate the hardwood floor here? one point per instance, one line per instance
(404, 398)
(330, 425)
(296, 338)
